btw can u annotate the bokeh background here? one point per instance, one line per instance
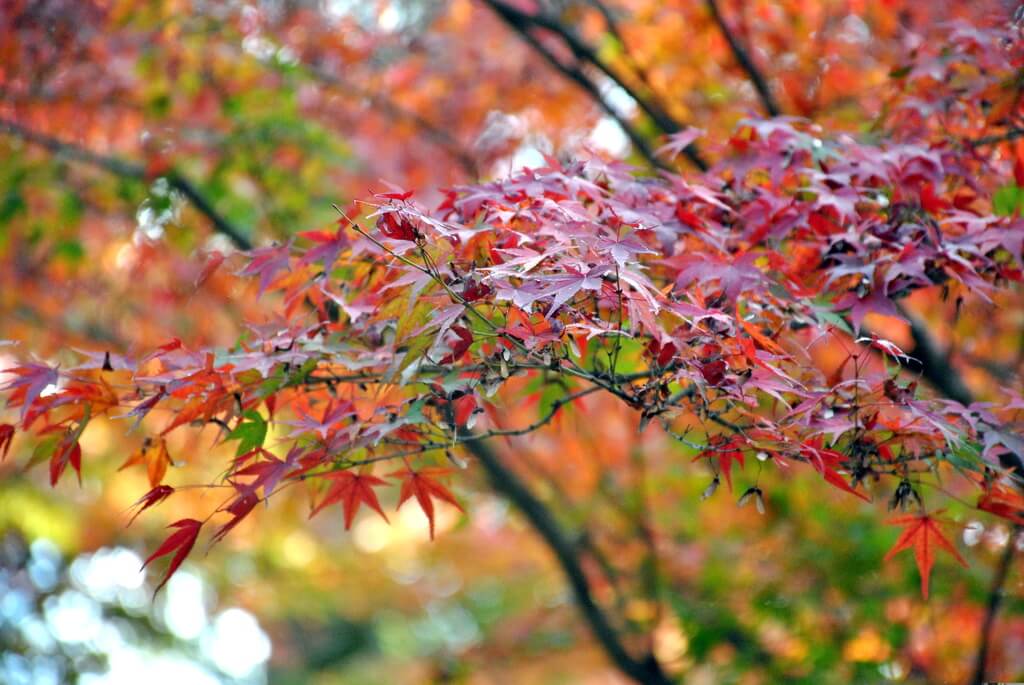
(273, 110)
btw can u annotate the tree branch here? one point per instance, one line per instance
(507, 483)
(126, 169)
(575, 75)
(616, 33)
(1009, 135)
(934, 364)
(995, 599)
(745, 61)
(522, 23)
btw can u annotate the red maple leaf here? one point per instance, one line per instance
(725, 452)
(352, 490)
(824, 460)
(213, 261)
(1002, 501)
(922, 532)
(460, 346)
(6, 436)
(68, 451)
(422, 484)
(327, 247)
(181, 540)
(151, 498)
(239, 508)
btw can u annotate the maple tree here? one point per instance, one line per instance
(765, 294)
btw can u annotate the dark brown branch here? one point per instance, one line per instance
(995, 599)
(1012, 134)
(745, 61)
(126, 169)
(933, 363)
(522, 23)
(507, 483)
(575, 75)
(616, 33)
(935, 366)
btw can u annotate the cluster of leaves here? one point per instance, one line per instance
(699, 302)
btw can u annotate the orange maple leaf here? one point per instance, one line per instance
(154, 455)
(923, 533)
(422, 484)
(761, 339)
(352, 490)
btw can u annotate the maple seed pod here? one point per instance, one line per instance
(457, 461)
(710, 489)
(753, 493)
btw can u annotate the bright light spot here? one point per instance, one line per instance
(147, 224)
(131, 666)
(109, 639)
(892, 670)
(998, 537)
(106, 572)
(371, 534)
(607, 135)
(854, 30)
(236, 646)
(670, 642)
(36, 634)
(286, 55)
(299, 550)
(44, 565)
(125, 257)
(616, 96)
(337, 9)
(973, 532)
(184, 610)
(73, 617)
(390, 19)
(527, 156)
(259, 47)
(14, 604)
